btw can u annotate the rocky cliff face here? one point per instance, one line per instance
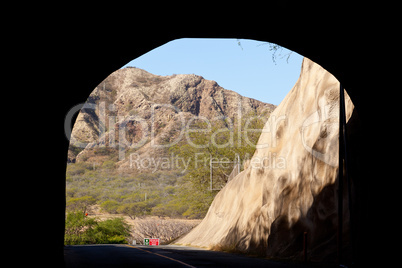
(132, 110)
(289, 186)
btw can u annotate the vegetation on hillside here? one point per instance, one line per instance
(183, 192)
(220, 142)
(158, 194)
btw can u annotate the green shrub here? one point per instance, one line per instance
(112, 231)
(108, 164)
(173, 209)
(81, 229)
(137, 209)
(110, 206)
(78, 229)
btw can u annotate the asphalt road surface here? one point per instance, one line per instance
(158, 256)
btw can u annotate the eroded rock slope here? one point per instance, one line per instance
(289, 186)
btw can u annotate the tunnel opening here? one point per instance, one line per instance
(139, 129)
(130, 123)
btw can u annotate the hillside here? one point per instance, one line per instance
(136, 111)
(142, 143)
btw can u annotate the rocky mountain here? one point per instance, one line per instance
(133, 110)
(289, 186)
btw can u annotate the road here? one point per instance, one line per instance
(158, 256)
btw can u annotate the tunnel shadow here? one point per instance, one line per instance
(321, 220)
(286, 239)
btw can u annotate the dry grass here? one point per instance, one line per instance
(167, 230)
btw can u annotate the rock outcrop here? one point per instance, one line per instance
(289, 186)
(132, 109)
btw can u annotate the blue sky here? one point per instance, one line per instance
(247, 69)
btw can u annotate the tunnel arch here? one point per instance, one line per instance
(318, 52)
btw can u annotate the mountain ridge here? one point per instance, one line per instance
(133, 109)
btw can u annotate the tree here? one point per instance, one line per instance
(274, 48)
(135, 209)
(80, 203)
